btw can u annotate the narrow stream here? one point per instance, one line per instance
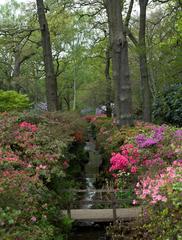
(91, 169)
(89, 230)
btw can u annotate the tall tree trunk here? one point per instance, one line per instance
(119, 45)
(51, 82)
(145, 86)
(74, 87)
(108, 83)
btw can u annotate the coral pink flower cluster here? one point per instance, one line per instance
(29, 126)
(8, 156)
(25, 136)
(26, 150)
(126, 160)
(150, 189)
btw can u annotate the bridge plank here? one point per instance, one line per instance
(103, 215)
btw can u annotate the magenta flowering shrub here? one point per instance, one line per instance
(153, 150)
(159, 147)
(126, 160)
(147, 170)
(144, 158)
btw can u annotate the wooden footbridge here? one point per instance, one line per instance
(110, 214)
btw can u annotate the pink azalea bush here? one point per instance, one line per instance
(32, 156)
(150, 188)
(22, 162)
(161, 195)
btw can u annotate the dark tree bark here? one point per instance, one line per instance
(108, 83)
(145, 86)
(19, 60)
(68, 101)
(51, 82)
(119, 45)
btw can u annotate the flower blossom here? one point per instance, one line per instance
(33, 219)
(144, 141)
(133, 169)
(149, 189)
(126, 160)
(178, 134)
(118, 162)
(29, 126)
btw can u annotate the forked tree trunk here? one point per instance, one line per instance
(119, 45)
(145, 86)
(51, 83)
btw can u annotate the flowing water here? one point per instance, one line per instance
(89, 230)
(91, 170)
(90, 194)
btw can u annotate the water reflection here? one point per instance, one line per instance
(95, 232)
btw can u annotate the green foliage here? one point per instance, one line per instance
(13, 101)
(12, 229)
(167, 106)
(126, 192)
(109, 136)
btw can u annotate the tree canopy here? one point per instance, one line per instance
(80, 38)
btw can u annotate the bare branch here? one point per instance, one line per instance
(132, 37)
(128, 16)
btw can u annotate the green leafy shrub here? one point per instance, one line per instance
(13, 101)
(167, 106)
